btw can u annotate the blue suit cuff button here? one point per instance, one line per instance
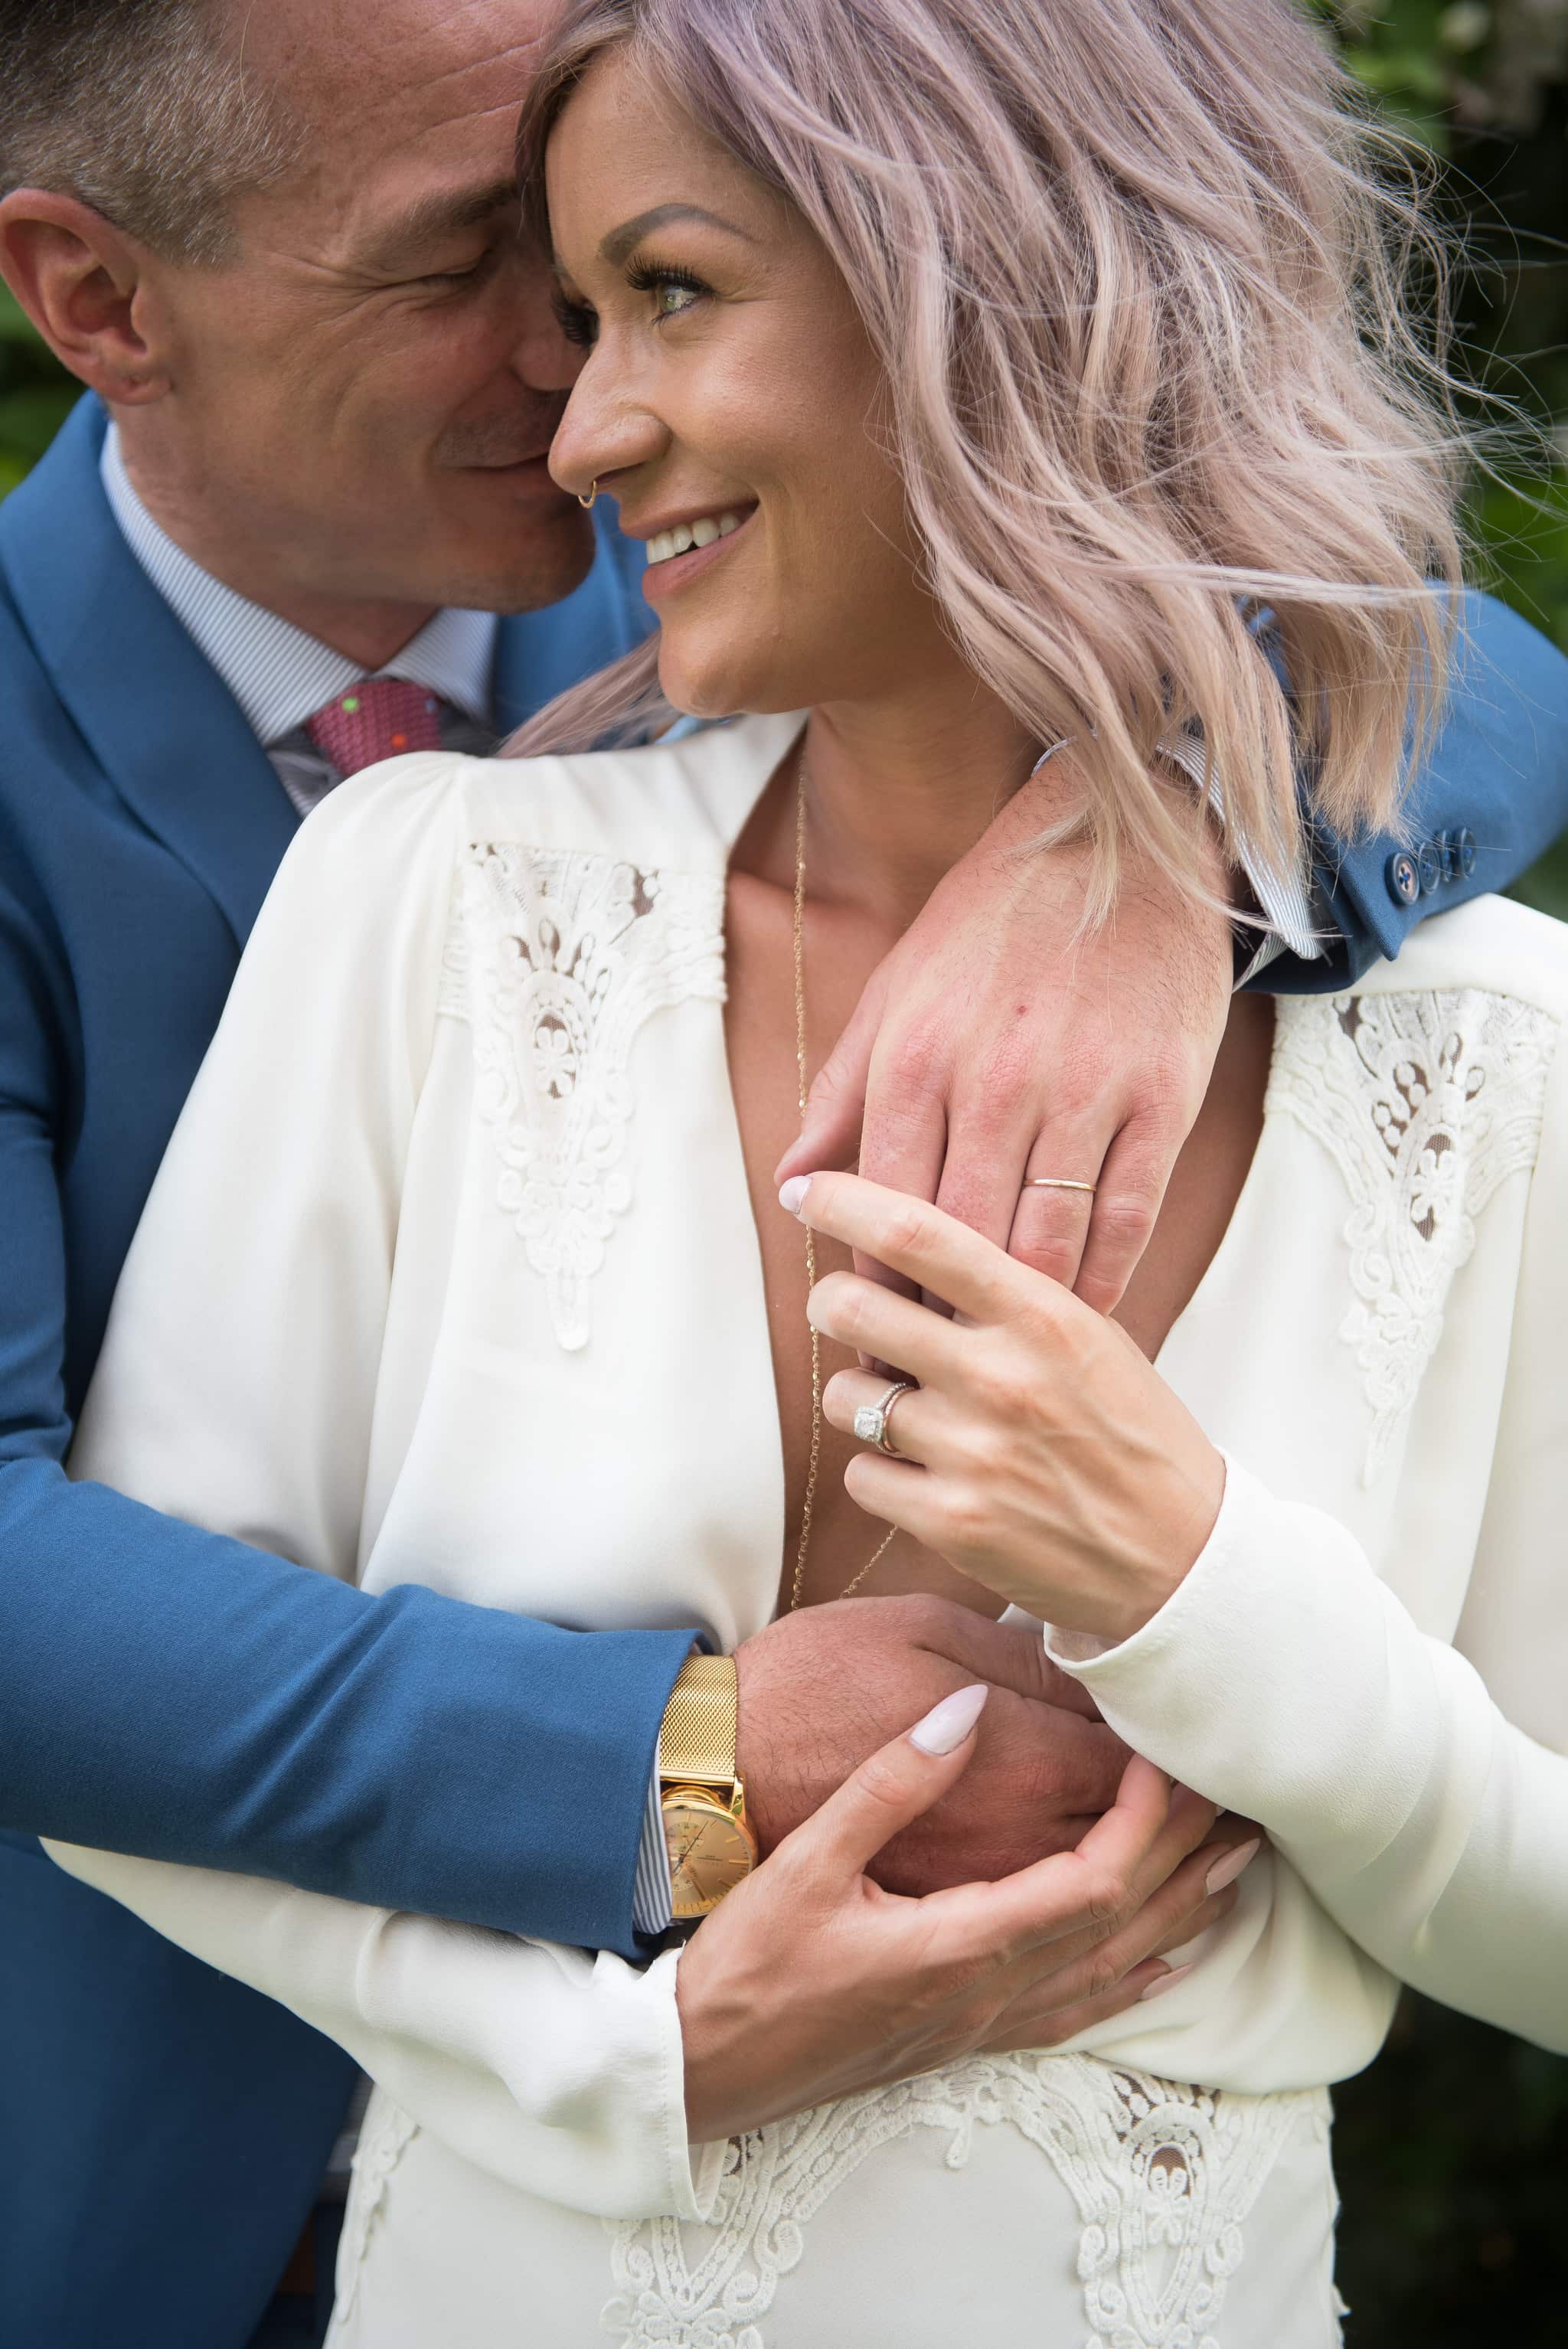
(1403, 877)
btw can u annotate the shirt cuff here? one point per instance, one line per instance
(652, 1909)
(1282, 899)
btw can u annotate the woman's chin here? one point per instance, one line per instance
(724, 688)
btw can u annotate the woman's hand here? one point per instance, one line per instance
(1042, 1455)
(811, 1982)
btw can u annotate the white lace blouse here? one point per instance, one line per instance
(450, 1274)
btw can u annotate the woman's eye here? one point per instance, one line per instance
(674, 292)
(674, 297)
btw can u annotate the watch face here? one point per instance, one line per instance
(709, 1854)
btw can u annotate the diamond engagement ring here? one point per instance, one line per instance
(872, 1418)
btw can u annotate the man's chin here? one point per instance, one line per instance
(524, 577)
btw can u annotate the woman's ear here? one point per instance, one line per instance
(82, 282)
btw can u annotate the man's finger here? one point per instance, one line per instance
(1092, 1887)
(1051, 1225)
(991, 1130)
(904, 1144)
(1009, 1655)
(835, 1105)
(931, 1249)
(897, 1783)
(1131, 1185)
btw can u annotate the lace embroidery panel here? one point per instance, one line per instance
(377, 2155)
(1162, 2179)
(1426, 1103)
(555, 960)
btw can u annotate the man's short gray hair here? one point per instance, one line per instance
(143, 109)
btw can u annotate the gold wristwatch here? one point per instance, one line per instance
(711, 1847)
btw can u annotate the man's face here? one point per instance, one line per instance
(369, 387)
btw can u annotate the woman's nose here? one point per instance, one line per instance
(602, 433)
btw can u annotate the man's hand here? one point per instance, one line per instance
(995, 1042)
(810, 1982)
(821, 1689)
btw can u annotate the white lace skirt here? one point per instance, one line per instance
(1014, 2200)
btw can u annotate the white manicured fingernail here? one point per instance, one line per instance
(1225, 1871)
(792, 1194)
(1162, 1982)
(948, 1725)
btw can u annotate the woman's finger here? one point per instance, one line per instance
(1084, 1983)
(1036, 2021)
(1190, 1927)
(871, 1319)
(931, 1249)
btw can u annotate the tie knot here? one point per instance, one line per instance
(377, 719)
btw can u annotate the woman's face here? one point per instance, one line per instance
(729, 388)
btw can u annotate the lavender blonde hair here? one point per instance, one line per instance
(1167, 412)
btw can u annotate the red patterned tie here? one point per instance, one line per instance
(375, 720)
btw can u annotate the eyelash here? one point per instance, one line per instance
(579, 323)
(480, 268)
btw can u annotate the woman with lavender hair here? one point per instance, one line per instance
(984, 376)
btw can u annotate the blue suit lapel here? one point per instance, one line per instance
(154, 713)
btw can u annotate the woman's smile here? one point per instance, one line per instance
(681, 551)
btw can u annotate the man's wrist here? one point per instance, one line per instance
(698, 1743)
(651, 1907)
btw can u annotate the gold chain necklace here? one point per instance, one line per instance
(803, 1550)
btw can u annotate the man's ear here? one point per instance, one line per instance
(83, 284)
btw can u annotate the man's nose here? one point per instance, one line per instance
(542, 357)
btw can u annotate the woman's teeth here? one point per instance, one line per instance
(687, 534)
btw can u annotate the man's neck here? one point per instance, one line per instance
(368, 632)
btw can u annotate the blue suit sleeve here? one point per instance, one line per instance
(1491, 797)
(171, 1693)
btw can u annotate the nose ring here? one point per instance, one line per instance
(593, 492)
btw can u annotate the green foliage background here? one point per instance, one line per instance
(1453, 2150)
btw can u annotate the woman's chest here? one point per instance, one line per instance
(589, 1353)
(789, 996)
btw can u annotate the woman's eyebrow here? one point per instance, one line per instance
(623, 240)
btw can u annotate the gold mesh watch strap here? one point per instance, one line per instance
(696, 1743)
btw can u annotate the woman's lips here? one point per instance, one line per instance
(670, 576)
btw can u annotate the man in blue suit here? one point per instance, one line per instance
(271, 550)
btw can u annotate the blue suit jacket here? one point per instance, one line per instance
(161, 2129)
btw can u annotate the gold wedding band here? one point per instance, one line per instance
(1056, 1183)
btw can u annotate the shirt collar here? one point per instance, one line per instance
(277, 674)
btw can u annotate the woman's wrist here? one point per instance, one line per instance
(1144, 1584)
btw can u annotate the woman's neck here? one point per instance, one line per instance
(899, 791)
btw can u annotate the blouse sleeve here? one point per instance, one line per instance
(1420, 1790)
(236, 1390)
